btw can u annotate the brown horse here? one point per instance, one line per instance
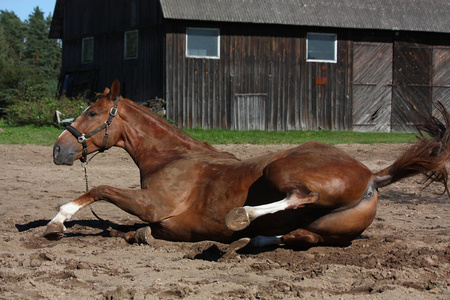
(314, 194)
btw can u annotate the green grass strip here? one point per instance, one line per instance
(47, 135)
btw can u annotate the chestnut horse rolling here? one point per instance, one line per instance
(313, 194)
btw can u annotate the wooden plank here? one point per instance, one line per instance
(412, 84)
(372, 69)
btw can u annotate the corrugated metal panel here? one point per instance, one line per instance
(410, 15)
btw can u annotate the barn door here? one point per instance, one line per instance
(441, 76)
(372, 91)
(249, 112)
(412, 84)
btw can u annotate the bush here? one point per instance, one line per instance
(41, 111)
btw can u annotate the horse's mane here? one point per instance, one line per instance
(163, 123)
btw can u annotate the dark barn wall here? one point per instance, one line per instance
(142, 77)
(262, 75)
(421, 76)
(262, 79)
(381, 80)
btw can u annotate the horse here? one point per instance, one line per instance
(313, 194)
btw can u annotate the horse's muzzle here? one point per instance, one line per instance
(63, 156)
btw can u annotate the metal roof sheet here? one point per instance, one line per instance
(409, 15)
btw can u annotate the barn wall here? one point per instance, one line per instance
(86, 17)
(141, 78)
(262, 75)
(262, 79)
(421, 72)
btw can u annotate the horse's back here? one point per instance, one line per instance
(336, 176)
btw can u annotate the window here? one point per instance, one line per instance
(87, 50)
(203, 42)
(321, 47)
(131, 44)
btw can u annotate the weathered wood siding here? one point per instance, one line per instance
(106, 21)
(262, 80)
(372, 88)
(441, 76)
(421, 77)
(263, 67)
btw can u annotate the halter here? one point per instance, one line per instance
(82, 138)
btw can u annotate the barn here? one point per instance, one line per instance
(263, 64)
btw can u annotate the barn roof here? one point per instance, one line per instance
(409, 15)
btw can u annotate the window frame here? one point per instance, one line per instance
(125, 34)
(203, 56)
(334, 60)
(83, 50)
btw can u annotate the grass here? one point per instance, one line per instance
(47, 135)
(28, 134)
(298, 137)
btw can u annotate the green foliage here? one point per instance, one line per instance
(29, 61)
(41, 111)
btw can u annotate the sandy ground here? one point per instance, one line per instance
(404, 254)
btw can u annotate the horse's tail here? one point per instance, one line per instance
(427, 156)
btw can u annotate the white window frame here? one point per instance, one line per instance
(203, 56)
(125, 44)
(83, 49)
(334, 60)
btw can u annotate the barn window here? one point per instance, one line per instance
(203, 42)
(321, 47)
(87, 50)
(131, 44)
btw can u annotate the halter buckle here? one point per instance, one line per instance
(81, 139)
(113, 111)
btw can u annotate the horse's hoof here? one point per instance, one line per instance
(239, 244)
(144, 235)
(237, 219)
(141, 236)
(54, 231)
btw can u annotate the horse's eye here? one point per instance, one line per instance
(92, 114)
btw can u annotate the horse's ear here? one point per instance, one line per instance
(115, 89)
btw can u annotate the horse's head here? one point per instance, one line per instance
(96, 129)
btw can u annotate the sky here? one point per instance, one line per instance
(23, 8)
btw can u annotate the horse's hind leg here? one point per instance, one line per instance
(240, 217)
(297, 238)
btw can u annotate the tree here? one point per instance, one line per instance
(40, 52)
(12, 69)
(29, 61)
(14, 34)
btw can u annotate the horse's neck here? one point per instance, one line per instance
(149, 137)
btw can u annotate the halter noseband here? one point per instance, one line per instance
(82, 138)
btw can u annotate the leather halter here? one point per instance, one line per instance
(82, 138)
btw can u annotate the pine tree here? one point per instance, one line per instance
(12, 69)
(36, 53)
(29, 61)
(14, 34)
(55, 53)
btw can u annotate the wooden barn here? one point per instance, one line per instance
(263, 64)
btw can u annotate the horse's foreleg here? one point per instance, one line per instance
(55, 228)
(135, 202)
(240, 217)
